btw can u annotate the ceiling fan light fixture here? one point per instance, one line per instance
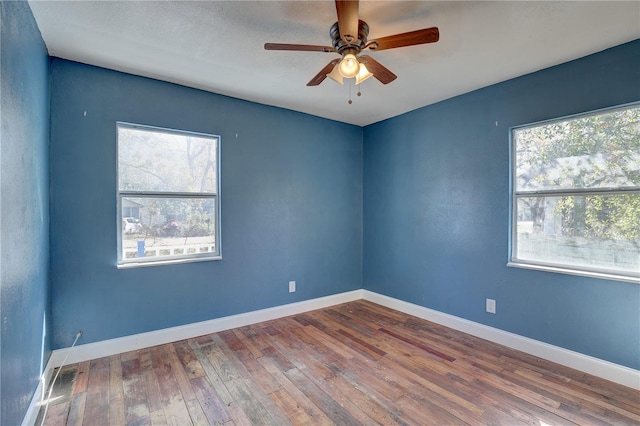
(363, 74)
(349, 39)
(349, 66)
(335, 75)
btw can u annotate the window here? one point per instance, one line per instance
(168, 188)
(576, 194)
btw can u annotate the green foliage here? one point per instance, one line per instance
(157, 161)
(594, 152)
(180, 169)
(602, 217)
(176, 217)
(198, 224)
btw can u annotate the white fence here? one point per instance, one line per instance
(130, 253)
(621, 255)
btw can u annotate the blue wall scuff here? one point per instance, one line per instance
(24, 208)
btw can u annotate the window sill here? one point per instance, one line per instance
(568, 271)
(130, 265)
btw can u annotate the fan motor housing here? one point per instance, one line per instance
(340, 45)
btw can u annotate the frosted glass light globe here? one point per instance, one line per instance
(349, 66)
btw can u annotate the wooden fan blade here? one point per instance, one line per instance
(298, 47)
(427, 35)
(347, 11)
(319, 78)
(378, 70)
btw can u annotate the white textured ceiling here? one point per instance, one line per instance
(218, 46)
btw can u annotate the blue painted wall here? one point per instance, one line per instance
(436, 210)
(291, 203)
(24, 208)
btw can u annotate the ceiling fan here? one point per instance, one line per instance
(349, 39)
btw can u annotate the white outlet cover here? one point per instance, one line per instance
(491, 306)
(292, 286)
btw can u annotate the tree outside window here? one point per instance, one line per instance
(170, 180)
(576, 201)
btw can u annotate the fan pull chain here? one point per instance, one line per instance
(350, 101)
(359, 92)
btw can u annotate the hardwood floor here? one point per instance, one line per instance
(356, 363)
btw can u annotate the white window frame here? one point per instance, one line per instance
(550, 266)
(122, 262)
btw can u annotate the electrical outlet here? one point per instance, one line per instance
(491, 306)
(292, 286)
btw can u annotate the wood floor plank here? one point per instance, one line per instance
(212, 405)
(424, 412)
(349, 364)
(116, 391)
(58, 414)
(345, 338)
(76, 410)
(418, 344)
(484, 414)
(343, 395)
(178, 373)
(302, 402)
(289, 405)
(493, 361)
(258, 337)
(260, 409)
(82, 378)
(136, 406)
(255, 369)
(359, 406)
(175, 409)
(332, 408)
(604, 409)
(315, 336)
(189, 361)
(196, 413)
(154, 400)
(436, 394)
(314, 340)
(251, 347)
(212, 375)
(158, 418)
(514, 360)
(126, 356)
(97, 404)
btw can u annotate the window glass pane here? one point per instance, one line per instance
(168, 227)
(594, 231)
(156, 161)
(592, 151)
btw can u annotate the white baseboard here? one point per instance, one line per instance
(134, 342)
(588, 364)
(34, 407)
(597, 367)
